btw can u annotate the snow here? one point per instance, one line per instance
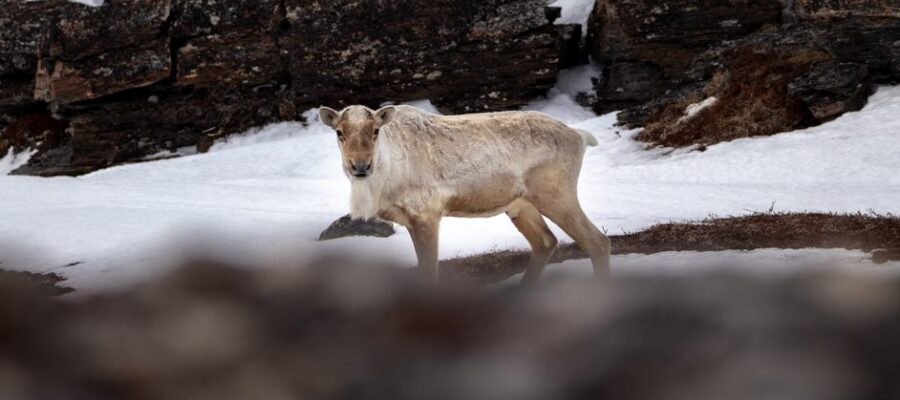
(560, 100)
(266, 195)
(771, 263)
(12, 160)
(695, 108)
(92, 3)
(574, 12)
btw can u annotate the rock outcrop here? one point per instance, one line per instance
(763, 66)
(133, 78)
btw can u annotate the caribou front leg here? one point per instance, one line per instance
(424, 232)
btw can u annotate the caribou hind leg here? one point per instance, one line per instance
(529, 221)
(554, 192)
(567, 214)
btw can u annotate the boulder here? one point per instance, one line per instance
(832, 89)
(347, 226)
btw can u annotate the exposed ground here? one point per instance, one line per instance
(769, 230)
(49, 284)
(868, 232)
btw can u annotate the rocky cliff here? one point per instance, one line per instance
(763, 66)
(92, 87)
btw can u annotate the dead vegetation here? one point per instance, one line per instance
(757, 231)
(753, 99)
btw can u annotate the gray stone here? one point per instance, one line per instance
(346, 226)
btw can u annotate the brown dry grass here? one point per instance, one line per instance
(771, 230)
(753, 100)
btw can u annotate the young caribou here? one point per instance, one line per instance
(413, 168)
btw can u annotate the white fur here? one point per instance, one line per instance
(425, 167)
(589, 139)
(422, 159)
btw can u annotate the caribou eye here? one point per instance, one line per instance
(340, 135)
(376, 133)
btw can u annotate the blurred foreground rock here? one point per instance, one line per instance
(342, 330)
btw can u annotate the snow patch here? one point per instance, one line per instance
(692, 110)
(574, 12)
(560, 102)
(269, 133)
(92, 3)
(424, 105)
(11, 160)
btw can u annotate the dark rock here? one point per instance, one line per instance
(218, 60)
(626, 83)
(824, 9)
(54, 162)
(34, 130)
(751, 88)
(105, 134)
(97, 76)
(874, 42)
(16, 92)
(658, 40)
(464, 56)
(774, 66)
(192, 18)
(571, 50)
(23, 23)
(347, 226)
(832, 89)
(80, 31)
(641, 114)
(49, 284)
(216, 67)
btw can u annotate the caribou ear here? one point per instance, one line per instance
(384, 115)
(328, 116)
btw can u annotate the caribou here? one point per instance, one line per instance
(413, 168)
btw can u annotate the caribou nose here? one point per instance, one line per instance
(360, 169)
